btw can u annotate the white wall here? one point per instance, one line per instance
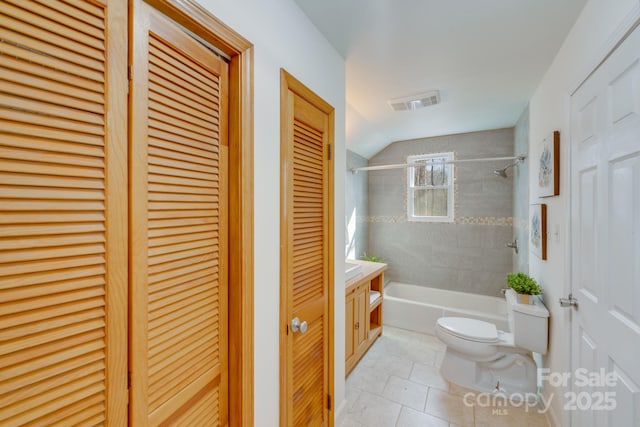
(362, 135)
(594, 33)
(283, 37)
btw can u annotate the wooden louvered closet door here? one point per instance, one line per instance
(178, 227)
(63, 195)
(306, 257)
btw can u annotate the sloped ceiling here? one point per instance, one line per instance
(486, 58)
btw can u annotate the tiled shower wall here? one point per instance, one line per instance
(357, 232)
(468, 255)
(521, 195)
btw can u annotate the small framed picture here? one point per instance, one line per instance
(538, 230)
(549, 166)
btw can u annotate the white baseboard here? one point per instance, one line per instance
(340, 413)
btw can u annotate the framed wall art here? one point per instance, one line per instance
(549, 166)
(538, 230)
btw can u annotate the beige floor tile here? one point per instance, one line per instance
(423, 353)
(537, 419)
(411, 335)
(432, 339)
(349, 422)
(390, 331)
(402, 368)
(429, 376)
(397, 347)
(499, 416)
(371, 357)
(396, 334)
(406, 393)
(449, 407)
(393, 365)
(502, 414)
(458, 390)
(350, 396)
(367, 379)
(374, 411)
(406, 349)
(412, 418)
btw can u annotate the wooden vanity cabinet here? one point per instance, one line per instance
(363, 317)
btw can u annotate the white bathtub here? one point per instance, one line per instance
(417, 308)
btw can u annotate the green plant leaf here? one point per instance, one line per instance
(371, 258)
(522, 283)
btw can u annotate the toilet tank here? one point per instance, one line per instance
(529, 323)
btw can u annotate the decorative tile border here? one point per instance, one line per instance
(387, 219)
(482, 220)
(504, 221)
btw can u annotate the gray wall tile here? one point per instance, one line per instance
(357, 205)
(462, 257)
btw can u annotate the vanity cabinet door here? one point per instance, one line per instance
(357, 333)
(361, 333)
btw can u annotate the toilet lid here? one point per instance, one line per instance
(471, 329)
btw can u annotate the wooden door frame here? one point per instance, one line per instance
(290, 83)
(201, 22)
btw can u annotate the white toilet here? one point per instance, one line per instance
(482, 358)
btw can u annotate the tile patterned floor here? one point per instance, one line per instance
(398, 384)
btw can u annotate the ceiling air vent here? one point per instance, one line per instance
(414, 102)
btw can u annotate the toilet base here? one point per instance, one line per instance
(509, 373)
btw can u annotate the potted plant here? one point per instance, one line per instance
(371, 258)
(524, 285)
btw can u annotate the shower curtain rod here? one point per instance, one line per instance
(407, 165)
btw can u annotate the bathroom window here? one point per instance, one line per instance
(430, 188)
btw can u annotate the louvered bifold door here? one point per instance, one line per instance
(307, 236)
(63, 186)
(178, 235)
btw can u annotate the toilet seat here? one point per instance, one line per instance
(469, 329)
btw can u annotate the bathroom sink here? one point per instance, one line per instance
(351, 270)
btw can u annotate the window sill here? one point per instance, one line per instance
(430, 219)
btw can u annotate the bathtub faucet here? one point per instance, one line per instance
(513, 245)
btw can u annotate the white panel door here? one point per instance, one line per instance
(605, 230)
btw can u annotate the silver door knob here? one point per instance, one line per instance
(570, 301)
(296, 325)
